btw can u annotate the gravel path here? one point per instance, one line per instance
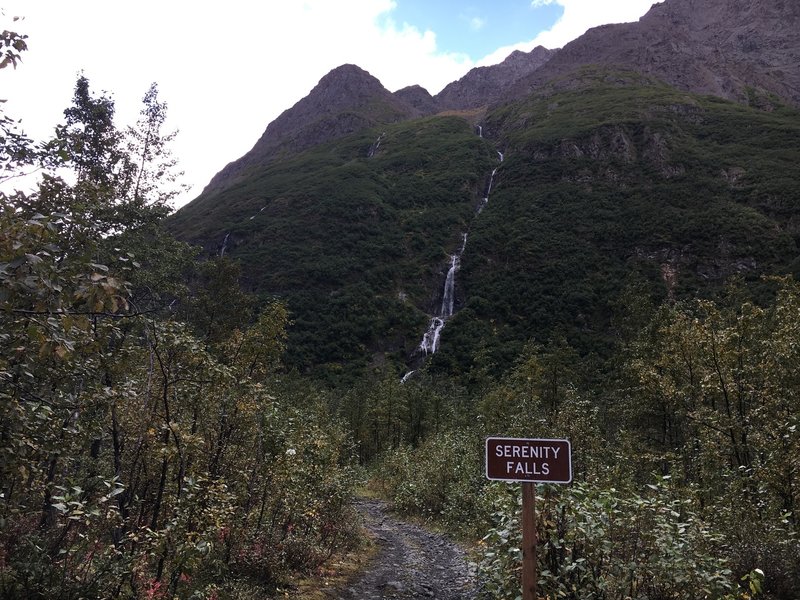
(411, 562)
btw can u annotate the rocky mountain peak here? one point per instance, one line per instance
(721, 47)
(345, 100)
(345, 86)
(418, 97)
(485, 85)
(746, 50)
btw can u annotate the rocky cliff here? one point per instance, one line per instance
(418, 97)
(346, 100)
(484, 85)
(727, 48)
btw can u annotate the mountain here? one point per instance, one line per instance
(728, 48)
(346, 100)
(480, 86)
(418, 97)
(627, 163)
(485, 85)
(356, 240)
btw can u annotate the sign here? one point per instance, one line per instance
(528, 460)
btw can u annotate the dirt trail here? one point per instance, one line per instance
(411, 562)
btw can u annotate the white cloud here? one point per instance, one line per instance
(228, 69)
(476, 23)
(578, 16)
(225, 69)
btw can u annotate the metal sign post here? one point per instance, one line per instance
(529, 461)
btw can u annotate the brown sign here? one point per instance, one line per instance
(539, 461)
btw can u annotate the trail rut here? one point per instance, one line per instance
(411, 562)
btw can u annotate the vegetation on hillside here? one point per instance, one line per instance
(685, 456)
(609, 180)
(356, 245)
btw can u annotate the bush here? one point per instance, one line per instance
(441, 480)
(608, 544)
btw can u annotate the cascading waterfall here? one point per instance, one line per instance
(224, 245)
(430, 341)
(258, 213)
(485, 200)
(407, 376)
(374, 148)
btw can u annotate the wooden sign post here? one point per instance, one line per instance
(529, 541)
(529, 461)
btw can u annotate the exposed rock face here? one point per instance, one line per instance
(346, 100)
(484, 85)
(719, 47)
(418, 97)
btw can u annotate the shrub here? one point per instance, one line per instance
(608, 544)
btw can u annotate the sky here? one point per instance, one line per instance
(227, 69)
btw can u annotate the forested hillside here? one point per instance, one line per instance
(608, 180)
(356, 242)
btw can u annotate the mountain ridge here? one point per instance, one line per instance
(346, 100)
(609, 175)
(725, 48)
(485, 85)
(745, 52)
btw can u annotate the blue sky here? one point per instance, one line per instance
(477, 27)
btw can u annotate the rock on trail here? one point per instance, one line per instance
(411, 562)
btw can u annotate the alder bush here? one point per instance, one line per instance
(605, 543)
(144, 449)
(702, 398)
(440, 480)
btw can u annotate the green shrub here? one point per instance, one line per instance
(608, 544)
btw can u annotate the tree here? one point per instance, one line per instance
(148, 147)
(714, 398)
(16, 149)
(140, 455)
(13, 44)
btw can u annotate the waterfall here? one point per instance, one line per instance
(430, 341)
(258, 213)
(448, 299)
(224, 245)
(407, 376)
(374, 148)
(485, 200)
(491, 183)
